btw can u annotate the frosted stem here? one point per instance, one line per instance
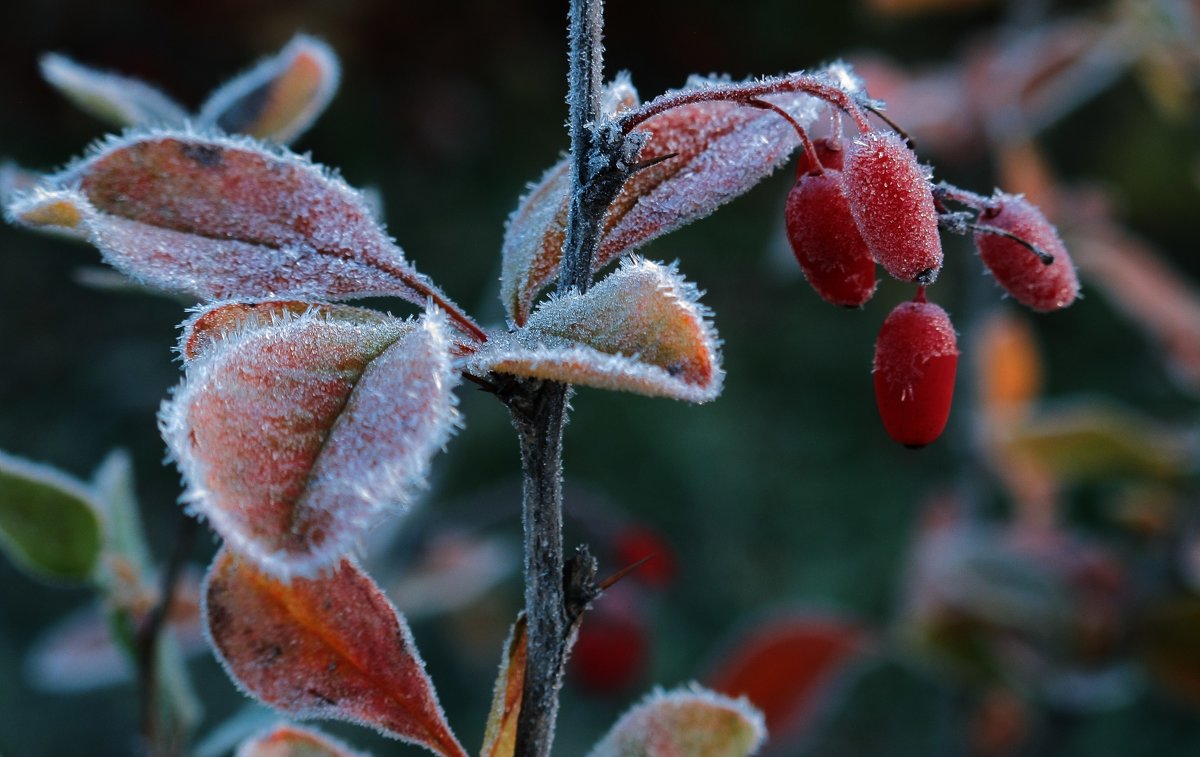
(556, 593)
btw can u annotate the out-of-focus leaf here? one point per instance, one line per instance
(280, 97)
(1008, 365)
(50, 523)
(62, 214)
(1138, 281)
(294, 434)
(720, 150)
(1166, 642)
(286, 740)
(454, 570)
(500, 736)
(641, 329)
(118, 100)
(124, 537)
(1093, 440)
(331, 647)
(220, 217)
(691, 721)
(788, 666)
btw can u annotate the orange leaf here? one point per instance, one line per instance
(641, 330)
(787, 665)
(285, 740)
(280, 97)
(693, 722)
(332, 647)
(1009, 366)
(294, 434)
(500, 736)
(720, 150)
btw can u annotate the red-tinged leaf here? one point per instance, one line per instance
(287, 740)
(693, 722)
(118, 100)
(331, 647)
(787, 667)
(280, 97)
(220, 217)
(500, 736)
(640, 330)
(720, 149)
(293, 435)
(217, 322)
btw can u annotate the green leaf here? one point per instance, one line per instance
(50, 524)
(1095, 440)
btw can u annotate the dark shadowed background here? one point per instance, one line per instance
(785, 492)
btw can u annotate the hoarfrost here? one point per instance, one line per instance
(295, 432)
(641, 329)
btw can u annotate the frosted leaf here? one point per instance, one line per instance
(118, 100)
(220, 217)
(280, 97)
(214, 323)
(287, 740)
(500, 735)
(15, 181)
(691, 721)
(60, 213)
(641, 329)
(533, 240)
(294, 433)
(330, 647)
(721, 150)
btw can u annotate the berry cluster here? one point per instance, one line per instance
(868, 201)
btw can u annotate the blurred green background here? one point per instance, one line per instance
(785, 492)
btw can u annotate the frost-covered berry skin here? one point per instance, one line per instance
(1017, 269)
(826, 241)
(916, 359)
(892, 203)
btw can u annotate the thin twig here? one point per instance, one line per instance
(157, 742)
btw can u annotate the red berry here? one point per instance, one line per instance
(827, 242)
(916, 357)
(635, 543)
(611, 651)
(892, 203)
(1017, 268)
(831, 152)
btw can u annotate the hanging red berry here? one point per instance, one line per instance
(830, 151)
(826, 241)
(916, 358)
(1023, 273)
(892, 203)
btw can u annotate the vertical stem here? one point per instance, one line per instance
(539, 409)
(540, 428)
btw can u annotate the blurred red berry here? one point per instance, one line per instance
(633, 543)
(916, 358)
(1017, 268)
(610, 654)
(892, 203)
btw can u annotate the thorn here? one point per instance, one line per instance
(623, 572)
(652, 162)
